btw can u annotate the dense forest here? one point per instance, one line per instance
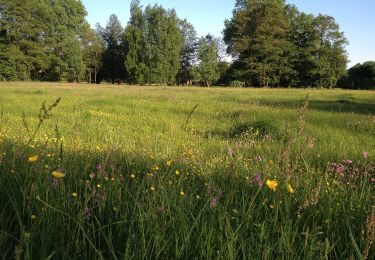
(264, 44)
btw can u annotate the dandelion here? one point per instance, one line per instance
(271, 184)
(33, 159)
(182, 193)
(289, 188)
(58, 174)
(74, 194)
(169, 162)
(177, 172)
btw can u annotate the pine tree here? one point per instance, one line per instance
(114, 54)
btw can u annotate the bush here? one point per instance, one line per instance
(237, 84)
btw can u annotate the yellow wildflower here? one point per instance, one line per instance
(74, 194)
(99, 186)
(155, 168)
(169, 162)
(58, 174)
(152, 188)
(271, 184)
(178, 172)
(182, 193)
(132, 176)
(289, 188)
(33, 158)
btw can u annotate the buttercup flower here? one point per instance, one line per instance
(58, 174)
(33, 158)
(271, 184)
(289, 188)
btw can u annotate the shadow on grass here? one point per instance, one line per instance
(258, 129)
(128, 219)
(337, 106)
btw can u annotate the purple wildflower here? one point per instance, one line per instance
(347, 161)
(259, 179)
(340, 169)
(214, 202)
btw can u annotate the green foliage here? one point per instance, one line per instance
(207, 71)
(115, 50)
(188, 53)
(155, 41)
(276, 45)
(360, 76)
(43, 37)
(93, 48)
(257, 35)
(237, 84)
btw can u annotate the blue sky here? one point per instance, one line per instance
(354, 17)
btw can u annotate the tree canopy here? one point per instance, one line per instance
(271, 43)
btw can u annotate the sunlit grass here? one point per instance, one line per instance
(125, 172)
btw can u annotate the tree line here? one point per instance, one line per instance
(270, 44)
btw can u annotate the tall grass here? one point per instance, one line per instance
(143, 172)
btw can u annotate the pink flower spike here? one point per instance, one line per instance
(258, 178)
(214, 202)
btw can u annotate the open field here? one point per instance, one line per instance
(139, 173)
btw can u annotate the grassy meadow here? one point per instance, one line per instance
(133, 172)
